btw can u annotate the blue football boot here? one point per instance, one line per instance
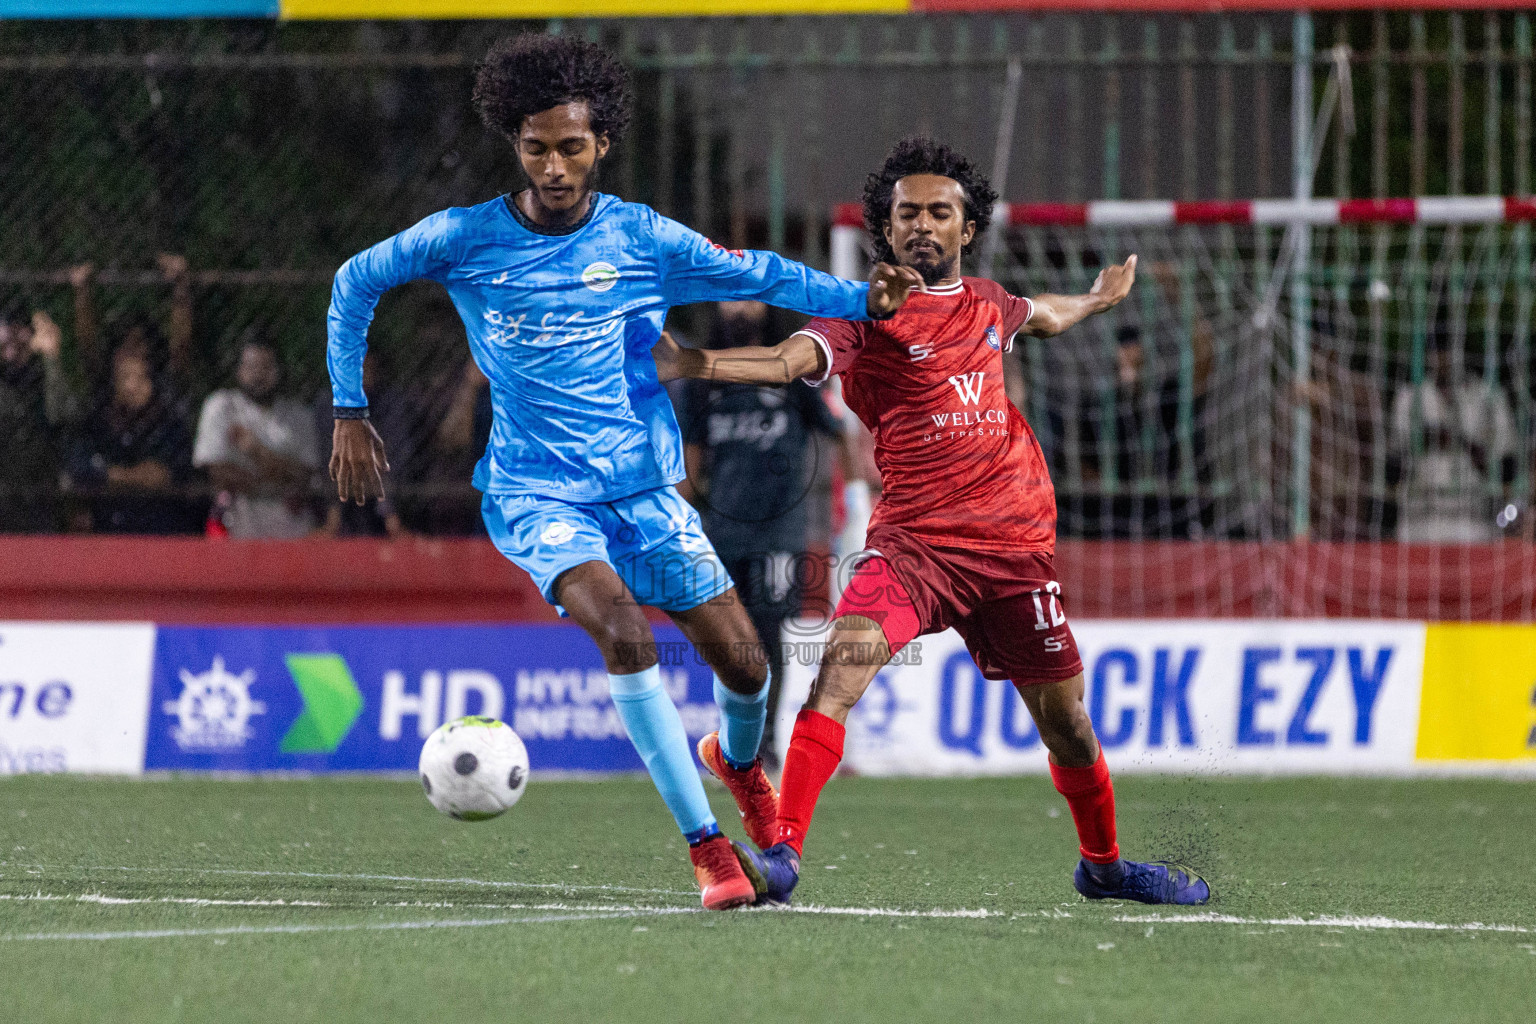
(773, 873)
(1157, 882)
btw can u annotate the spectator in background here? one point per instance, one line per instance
(259, 450)
(35, 406)
(169, 353)
(390, 415)
(453, 394)
(134, 454)
(745, 451)
(1160, 465)
(1151, 497)
(1454, 436)
(1348, 428)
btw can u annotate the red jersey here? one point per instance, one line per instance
(959, 466)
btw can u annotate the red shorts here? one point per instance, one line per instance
(1008, 607)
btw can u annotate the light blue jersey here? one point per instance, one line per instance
(584, 447)
(563, 325)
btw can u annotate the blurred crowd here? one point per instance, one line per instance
(1165, 437)
(119, 427)
(135, 436)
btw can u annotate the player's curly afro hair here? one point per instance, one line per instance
(529, 73)
(924, 156)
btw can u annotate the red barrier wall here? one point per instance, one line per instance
(1221, 579)
(192, 580)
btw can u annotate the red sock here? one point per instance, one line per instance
(1091, 796)
(815, 748)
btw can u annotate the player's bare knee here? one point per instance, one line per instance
(746, 670)
(627, 646)
(1067, 732)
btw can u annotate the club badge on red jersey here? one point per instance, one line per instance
(993, 342)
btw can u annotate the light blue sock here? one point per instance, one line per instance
(656, 730)
(742, 716)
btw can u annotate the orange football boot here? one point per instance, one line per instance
(721, 881)
(755, 796)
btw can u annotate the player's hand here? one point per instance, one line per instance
(673, 360)
(1113, 284)
(889, 287)
(358, 463)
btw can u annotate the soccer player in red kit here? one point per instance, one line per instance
(965, 529)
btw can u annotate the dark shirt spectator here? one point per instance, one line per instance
(169, 351)
(134, 456)
(34, 401)
(748, 444)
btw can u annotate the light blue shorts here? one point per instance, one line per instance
(653, 540)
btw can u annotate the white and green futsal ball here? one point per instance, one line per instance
(474, 768)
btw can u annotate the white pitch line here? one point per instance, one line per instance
(343, 876)
(303, 929)
(195, 901)
(199, 901)
(812, 908)
(1326, 921)
(1364, 923)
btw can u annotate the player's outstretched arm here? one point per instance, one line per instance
(1055, 313)
(795, 357)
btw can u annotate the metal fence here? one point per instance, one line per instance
(266, 154)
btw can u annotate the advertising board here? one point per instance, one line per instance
(72, 696)
(362, 698)
(1188, 696)
(1317, 696)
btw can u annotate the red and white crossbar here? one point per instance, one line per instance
(1164, 213)
(848, 218)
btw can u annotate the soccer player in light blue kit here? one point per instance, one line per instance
(563, 292)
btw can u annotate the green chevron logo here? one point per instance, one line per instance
(332, 703)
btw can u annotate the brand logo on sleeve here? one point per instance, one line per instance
(600, 277)
(993, 342)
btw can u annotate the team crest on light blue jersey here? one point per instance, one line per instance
(600, 276)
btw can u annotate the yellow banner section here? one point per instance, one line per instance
(578, 8)
(1478, 702)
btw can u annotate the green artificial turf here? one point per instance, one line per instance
(333, 859)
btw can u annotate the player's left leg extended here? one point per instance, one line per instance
(724, 636)
(596, 598)
(668, 563)
(566, 549)
(1082, 777)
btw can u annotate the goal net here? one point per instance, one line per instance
(1319, 408)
